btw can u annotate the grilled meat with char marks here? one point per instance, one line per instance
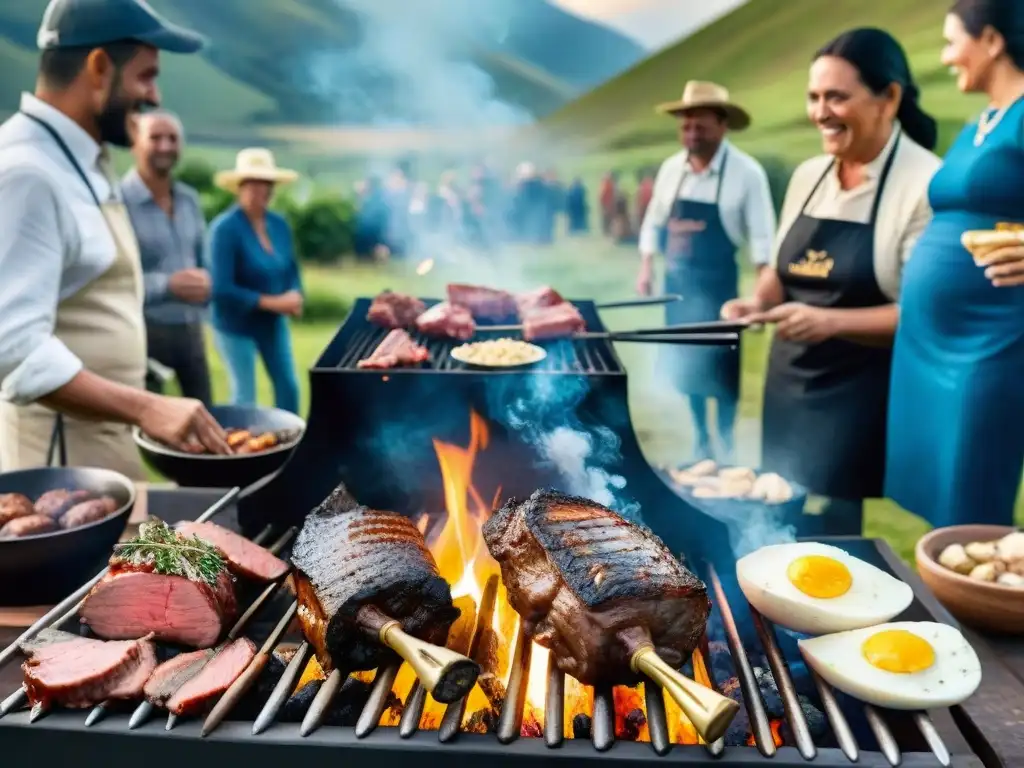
(348, 557)
(584, 581)
(396, 350)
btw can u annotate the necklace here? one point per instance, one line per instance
(988, 122)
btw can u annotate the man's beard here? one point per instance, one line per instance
(113, 120)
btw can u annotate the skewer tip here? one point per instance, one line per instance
(38, 711)
(97, 714)
(172, 720)
(140, 715)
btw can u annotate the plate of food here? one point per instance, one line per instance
(499, 353)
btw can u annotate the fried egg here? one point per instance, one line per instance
(902, 665)
(816, 588)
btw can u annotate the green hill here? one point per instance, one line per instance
(761, 52)
(309, 61)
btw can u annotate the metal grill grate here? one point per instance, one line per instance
(512, 712)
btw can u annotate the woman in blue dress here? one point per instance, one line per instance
(956, 409)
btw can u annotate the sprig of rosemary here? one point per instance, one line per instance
(171, 553)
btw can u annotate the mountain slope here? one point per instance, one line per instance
(314, 61)
(761, 52)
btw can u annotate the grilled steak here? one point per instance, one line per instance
(395, 310)
(55, 503)
(483, 303)
(212, 680)
(81, 672)
(586, 582)
(13, 505)
(132, 602)
(448, 320)
(555, 322)
(87, 512)
(31, 525)
(349, 557)
(244, 558)
(539, 298)
(168, 678)
(397, 349)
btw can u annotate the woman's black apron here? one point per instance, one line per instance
(825, 405)
(700, 266)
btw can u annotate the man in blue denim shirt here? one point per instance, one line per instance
(171, 231)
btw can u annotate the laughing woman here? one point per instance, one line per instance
(849, 220)
(956, 419)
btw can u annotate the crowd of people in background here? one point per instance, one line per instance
(400, 215)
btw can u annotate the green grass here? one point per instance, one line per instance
(590, 268)
(761, 52)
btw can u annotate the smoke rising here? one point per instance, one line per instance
(544, 411)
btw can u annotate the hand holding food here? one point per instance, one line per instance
(1000, 561)
(1000, 252)
(182, 423)
(817, 588)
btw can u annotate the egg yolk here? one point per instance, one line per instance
(899, 651)
(820, 576)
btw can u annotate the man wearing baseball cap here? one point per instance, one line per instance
(72, 334)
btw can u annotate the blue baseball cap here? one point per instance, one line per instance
(94, 23)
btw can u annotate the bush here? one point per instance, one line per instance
(323, 228)
(779, 173)
(322, 304)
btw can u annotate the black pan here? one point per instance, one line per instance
(205, 471)
(40, 570)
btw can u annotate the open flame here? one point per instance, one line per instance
(776, 735)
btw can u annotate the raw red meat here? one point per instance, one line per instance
(449, 320)
(484, 303)
(395, 310)
(555, 322)
(396, 350)
(538, 298)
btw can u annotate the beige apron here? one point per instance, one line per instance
(102, 324)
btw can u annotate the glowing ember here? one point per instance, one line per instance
(776, 735)
(424, 267)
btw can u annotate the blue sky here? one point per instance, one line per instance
(654, 23)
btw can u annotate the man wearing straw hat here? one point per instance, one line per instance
(72, 334)
(709, 199)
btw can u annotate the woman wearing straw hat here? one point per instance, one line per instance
(256, 282)
(708, 200)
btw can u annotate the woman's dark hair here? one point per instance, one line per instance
(1004, 16)
(881, 61)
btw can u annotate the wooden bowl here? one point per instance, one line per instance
(992, 607)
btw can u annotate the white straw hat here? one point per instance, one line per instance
(253, 164)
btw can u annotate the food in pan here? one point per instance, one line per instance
(175, 587)
(80, 672)
(396, 350)
(1000, 561)
(554, 322)
(395, 310)
(913, 665)
(447, 320)
(593, 587)
(498, 353)
(363, 574)
(484, 303)
(706, 480)
(14, 505)
(191, 682)
(244, 442)
(817, 588)
(58, 509)
(244, 558)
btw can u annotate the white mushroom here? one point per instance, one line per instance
(981, 551)
(956, 559)
(1010, 580)
(988, 571)
(1011, 546)
(704, 468)
(683, 476)
(738, 473)
(772, 488)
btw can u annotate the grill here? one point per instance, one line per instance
(358, 338)
(821, 732)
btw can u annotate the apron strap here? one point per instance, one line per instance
(881, 181)
(58, 445)
(686, 173)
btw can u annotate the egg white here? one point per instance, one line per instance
(955, 675)
(874, 597)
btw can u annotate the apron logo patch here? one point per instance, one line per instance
(817, 264)
(686, 226)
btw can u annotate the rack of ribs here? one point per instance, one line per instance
(369, 588)
(396, 350)
(606, 597)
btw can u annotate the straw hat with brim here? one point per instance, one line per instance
(703, 95)
(253, 165)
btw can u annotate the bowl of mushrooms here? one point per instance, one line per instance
(977, 573)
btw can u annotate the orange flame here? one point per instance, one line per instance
(776, 726)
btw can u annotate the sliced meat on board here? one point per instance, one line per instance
(396, 350)
(395, 310)
(244, 558)
(82, 672)
(133, 602)
(447, 320)
(586, 582)
(348, 557)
